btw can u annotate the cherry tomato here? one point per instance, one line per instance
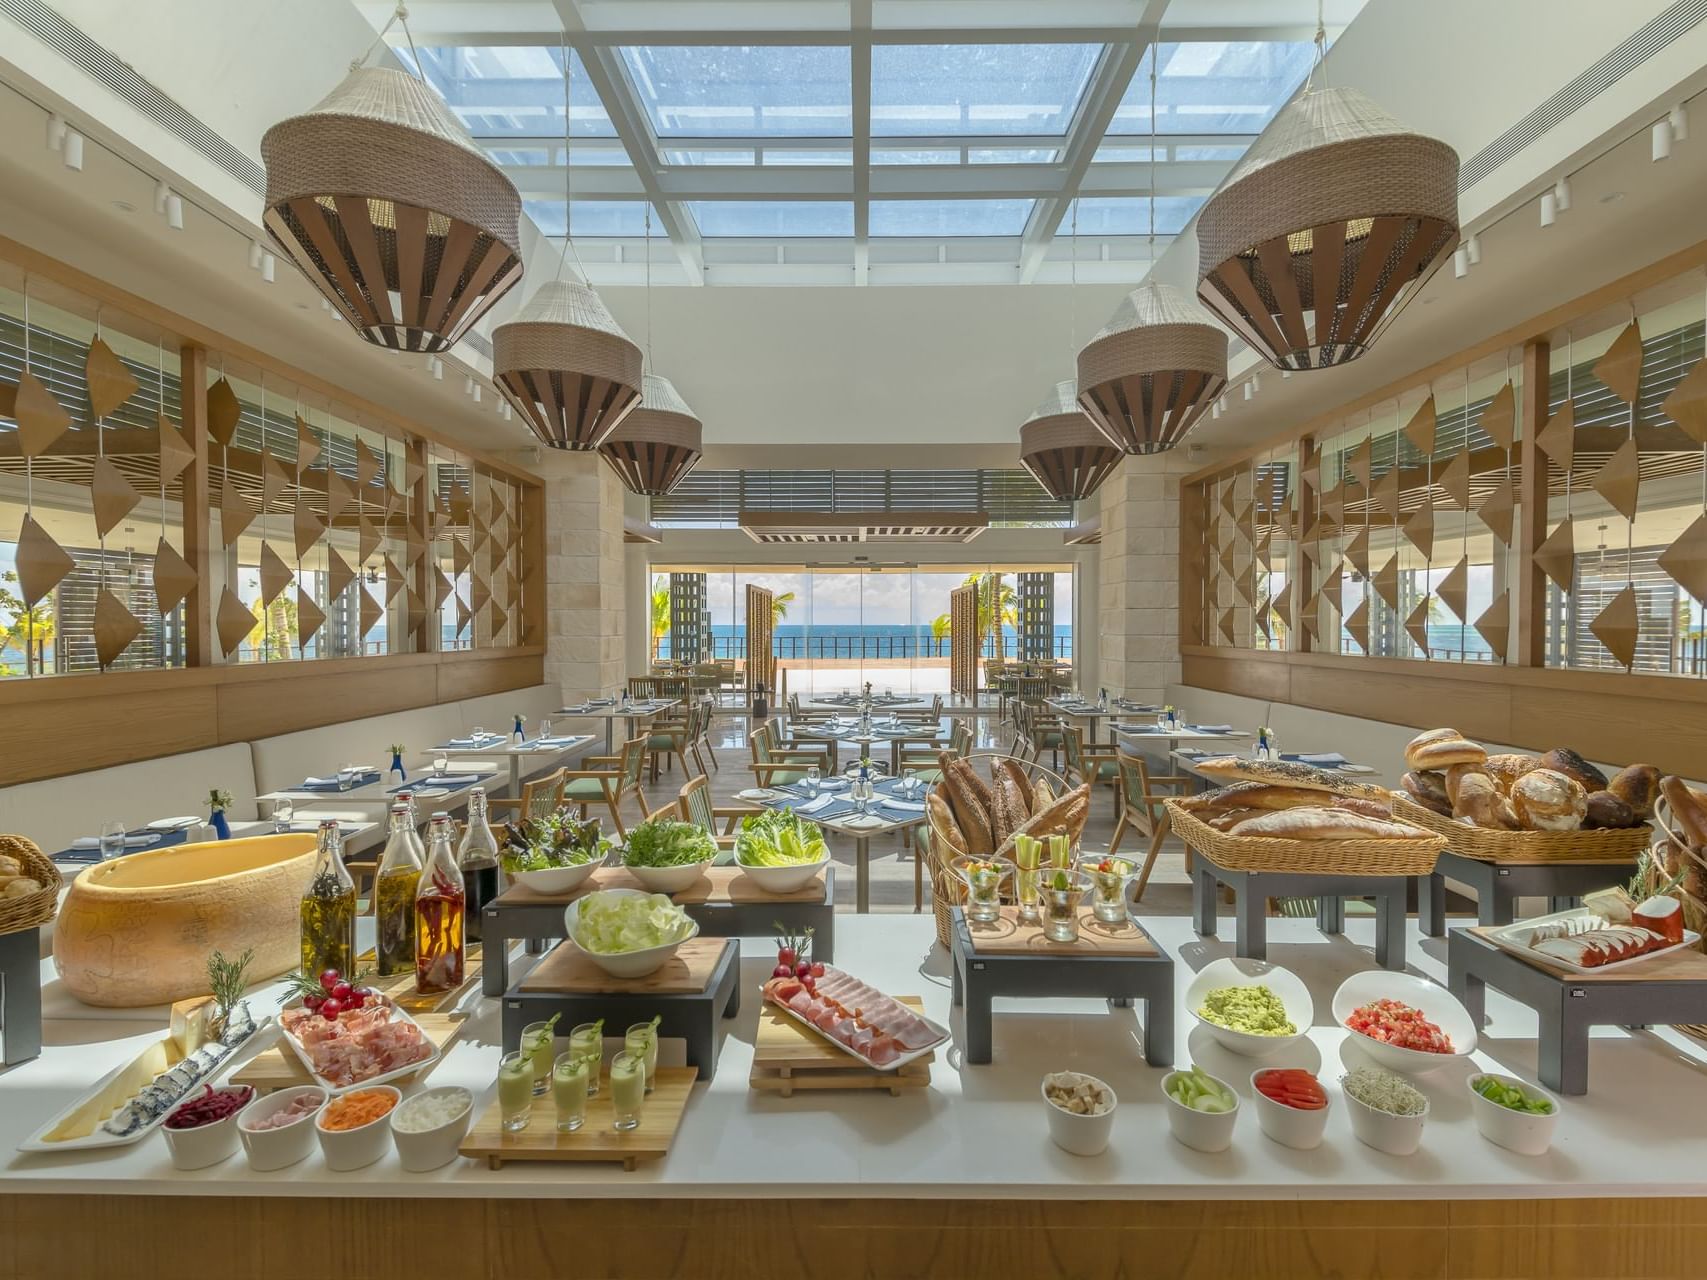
(329, 978)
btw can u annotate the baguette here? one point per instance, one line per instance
(1015, 773)
(1042, 795)
(1253, 795)
(1324, 824)
(1288, 773)
(1066, 816)
(970, 777)
(970, 812)
(943, 823)
(1688, 810)
(1007, 815)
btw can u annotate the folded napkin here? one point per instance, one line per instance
(139, 841)
(1319, 757)
(833, 784)
(813, 806)
(907, 805)
(569, 711)
(1212, 728)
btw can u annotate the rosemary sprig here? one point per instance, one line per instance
(227, 979)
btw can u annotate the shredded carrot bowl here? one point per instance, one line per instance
(354, 1110)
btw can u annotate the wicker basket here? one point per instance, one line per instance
(37, 908)
(1525, 847)
(1375, 856)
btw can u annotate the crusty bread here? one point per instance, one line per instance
(1456, 773)
(1564, 760)
(1324, 823)
(1015, 773)
(1254, 795)
(1428, 789)
(1507, 767)
(1688, 810)
(1439, 748)
(1547, 800)
(1368, 808)
(966, 802)
(1606, 811)
(1637, 786)
(942, 821)
(1287, 773)
(1066, 816)
(1479, 802)
(1227, 819)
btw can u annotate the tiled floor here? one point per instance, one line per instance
(891, 874)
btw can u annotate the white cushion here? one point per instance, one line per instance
(499, 710)
(287, 759)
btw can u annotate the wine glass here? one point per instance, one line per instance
(813, 777)
(544, 730)
(283, 811)
(112, 840)
(441, 762)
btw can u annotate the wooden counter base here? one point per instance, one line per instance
(139, 1237)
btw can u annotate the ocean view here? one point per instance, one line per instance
(865, 642)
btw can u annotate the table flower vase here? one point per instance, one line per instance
(221, 828)
(397, 766)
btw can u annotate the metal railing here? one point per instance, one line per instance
(866, 648)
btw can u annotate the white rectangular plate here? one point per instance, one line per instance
(912, 1055)
(399, 1014)
(1508, 938)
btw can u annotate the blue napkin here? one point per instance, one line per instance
(1327, 759)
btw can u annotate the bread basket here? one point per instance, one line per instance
(1361, 856)
(37, 908)
(1485, 844)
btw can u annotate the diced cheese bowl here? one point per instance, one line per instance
(783, 879)
(1437, 1004)
(1232, 971)
(1527, 1133)
(424, 1146)
(1079, 1134)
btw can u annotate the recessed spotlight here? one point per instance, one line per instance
(124, 206)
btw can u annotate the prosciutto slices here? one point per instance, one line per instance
(861, 1019)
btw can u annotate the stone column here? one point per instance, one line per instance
(585, 583)
(1139, 576)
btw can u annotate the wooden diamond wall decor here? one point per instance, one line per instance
(1283, 608)
(479, 594)
(1224, 624)
(1357, 551)
(1687, 403)
(110, 384)
(1419, 528)
(275, 574)
(1620, 480)
(1385, 491)
(339, 495)
(371, 611)
(173, 578)
(1420, 429)
(461, 505)
(235, 513)
(41, 562)
(1558, 439)
(1454, 588)
(1416, 625)
(1386, 582)
(1311, 622)
(310, 617)
(233, 621)
(1359, 461)
(1686, 559)
(1556, 557)
(40, 418)
(393, 579)
(464, 615)
(115, 627)
(1228, 497)
(307, 445)
(1261, 617)
(1455, 480)
(223, 414)
(413, 471)
(460, 558)
(442, 590)
(1357, 623)
(1617, 625)
(274, 480)
(1500, 417)
(415, 611)
(1498, 507)
(308, 525)
(338, 575)
(367, 466)
(175, 455)
(1621, 367)
(111, 495)
(1330, 588)
(367, 539)
(1333, 503)
(1494, 625)
(1226, 560)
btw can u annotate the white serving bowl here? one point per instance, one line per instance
(1076, 1134)
(1208, 1131)
(1396, 1135)
(270, 1149)
(206, 1144)
(347, 1149)
(1438, 1005)
(1289, 1126)
(624, 964)
(426, 1149)
(668, 879)
(784, 879)
(553, 880)
(1519, 1131)
(1234, 972)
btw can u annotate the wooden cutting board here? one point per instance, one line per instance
(279, 1068)
(595, 1140)
(1008, 937)
(718, 885)
(400, 987)
(568, 969)
(788, 1056)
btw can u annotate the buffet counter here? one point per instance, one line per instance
(761, 1175)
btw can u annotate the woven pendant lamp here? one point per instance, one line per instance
(1153, 370)
(658, 443)
(1325, 229)
(389, 208)
(567, 366)
(1064, 450)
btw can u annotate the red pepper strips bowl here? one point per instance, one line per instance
(202, 1129)
(1291, 1106)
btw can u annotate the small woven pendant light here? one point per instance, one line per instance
(1063, 449)
(391, 211)
(1153, 370)
(658, 444)
(1326, 228)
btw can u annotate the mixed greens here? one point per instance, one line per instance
(557, 840)
(614, 923)
(667, 842)
(778, 838)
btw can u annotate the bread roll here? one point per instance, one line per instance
(1507, 767)
(1428, 738)
(1637, 786)
(10, 866)
(1323, 824)
(1428, 789)
(1564, 760)
(1547, 800)
(1688, 810)
(1479, 802)
(1287, 773)
(1255, 795)
(1606, 811)
(22, 887)
(1456, 773)
(1439, 748)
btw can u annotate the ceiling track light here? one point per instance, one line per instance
(1256, 383)
(1247, 391)
(268, 264)
(1474, 245)
(1679, 121)
(467, 385)
(1549, 208)
(1460, 262)
(175, 211)
(1562, 193)
(1661, 140)
(55, 131)
(438, 370)
(476, 393)
(161, 192)
(71, 151)
(255, 252)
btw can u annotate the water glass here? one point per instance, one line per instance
(441, 762)
(112, 841)
(1062, 892)
(283, 811)
(479, 733)
(544, 729)
(347, 777)
(813, 777)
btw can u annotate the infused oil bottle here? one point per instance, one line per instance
(328, 908)
(440, 906)
(395, 886)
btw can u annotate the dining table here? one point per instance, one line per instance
(145, 838)
(896, 733)
(636, 715)
(893, 808)
(520, 756)
(1092, 713)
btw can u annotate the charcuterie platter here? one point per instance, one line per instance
(1587, 940)
(874, 1029)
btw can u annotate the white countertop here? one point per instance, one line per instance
(978, 1130)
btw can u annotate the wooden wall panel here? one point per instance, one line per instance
(1217, 669)
(351, 689)
(494, 674)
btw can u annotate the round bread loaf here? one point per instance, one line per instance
(1605, 811)
(1428, 789)
(1442, 748)
(1637, 786)
(1478, 801)
(1507, 767)
(1427, 739)
(1564, 760)
(1456, 773)
(1547, 800)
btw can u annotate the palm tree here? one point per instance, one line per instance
(30, 631)
(779, 607)
(939, 629)
(660, 613)
(270, 637)
(996, 609)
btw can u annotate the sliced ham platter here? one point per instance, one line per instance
(873, 1028)
(1583, 940)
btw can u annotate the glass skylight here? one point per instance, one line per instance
(781, 218)
(977, 89)
(884, 155)
(598, 219)
(938, 219)
(1128, 215)
(512, 91)
(696, 91)
(1214, 86)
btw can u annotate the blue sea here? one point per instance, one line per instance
(845, 641)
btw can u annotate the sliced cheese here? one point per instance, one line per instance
(192, 1024)
(156, 1058)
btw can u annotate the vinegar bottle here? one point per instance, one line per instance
(328, 909)
(478, 862)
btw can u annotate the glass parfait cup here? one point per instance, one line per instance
(627, 1090)
(983, 878)
(1108, 889)
(1028, 895)
(642, 1039)
(537, 1043)
(1062, 891)
(515, 1090)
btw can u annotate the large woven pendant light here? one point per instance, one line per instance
(657, 444)
(1063, 449)
(384, 201)
(1326, 228)
(564, 363)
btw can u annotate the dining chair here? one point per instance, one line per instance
(1141, 796)
(618, 776)
(666, 738)
(1091, 765)
(540, 797)
(924, 760)
(694, 804)
(774, 765)
(1043, 731)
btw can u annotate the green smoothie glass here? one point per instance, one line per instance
(569, 1091)
(627, 1090)
(515, 1090)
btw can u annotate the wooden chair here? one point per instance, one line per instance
(1141, 810)
(619, 776)
(1039, 731)
(924, 761)
(694, 804)
(1091, 765)
(932, 716)
(702, 735)
(540, 798)
(775, 766)
(672, 737)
